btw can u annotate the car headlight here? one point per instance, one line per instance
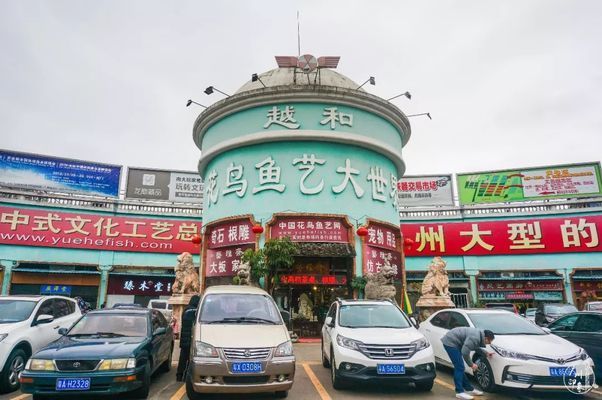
(205, 350)
(509, 353)
(39, 365)
(284, 350)
(3, 336)
(117, 363)
(348, 343)
(421, 344)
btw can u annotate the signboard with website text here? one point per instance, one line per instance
(310, 229)
(39, 172)
(421, 191)
(524, 236)
(138, 285)
(151, 184)
(381, 244)
(37, 227)
(557, 181)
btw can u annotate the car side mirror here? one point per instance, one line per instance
(286, 317)
(329, 322)
(63, 331)
(159, 331)
(414, 322)
(43, 319)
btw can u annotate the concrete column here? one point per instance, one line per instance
(566, 279)
(472, 276)
(8, 273)
(104, 283)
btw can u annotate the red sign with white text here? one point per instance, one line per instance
(225, 261)
(230, 233)
(310, 229)
(45, 228)
(524, 236)
(380, 244)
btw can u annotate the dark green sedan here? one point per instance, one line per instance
(105, 352)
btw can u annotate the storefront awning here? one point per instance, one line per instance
(56, 271)
(316, 249)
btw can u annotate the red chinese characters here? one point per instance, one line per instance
(327, 280)
(46, 228)
(310, 229)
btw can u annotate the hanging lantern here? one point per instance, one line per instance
(257, 229)
(362, 231)
(196, 239)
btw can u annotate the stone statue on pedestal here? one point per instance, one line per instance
(379, 286)
(244, 274)
(435, 290)
(186, 285)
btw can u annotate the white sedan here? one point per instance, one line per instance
(523, 354)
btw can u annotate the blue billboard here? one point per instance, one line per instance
(38, 172)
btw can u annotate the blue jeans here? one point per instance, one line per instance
(460, 379)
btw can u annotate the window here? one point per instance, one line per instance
(441, 320)
(564, 324)
(46, 308)
(61, 308)
(162, 321)
(456, 320)
(332, 312)
(372, 316)
(588, 323)
(155, 320)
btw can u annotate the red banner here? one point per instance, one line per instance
(587, 285)
(330, 280)
(225, 261)
(497, 286)
(230, 233)
(525, 236)
(310, 229)
(34, 227)
(140, 285)
(380, 244)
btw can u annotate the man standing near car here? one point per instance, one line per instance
(188, 317)
(458, 343)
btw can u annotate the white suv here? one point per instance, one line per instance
(27, 324)
(373, 340)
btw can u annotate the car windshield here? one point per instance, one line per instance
(372, 316)
(236, 308)
(13, 310)
(594, 306)
(111, 325)
(158, 305)
(504, 324)
(560, 309)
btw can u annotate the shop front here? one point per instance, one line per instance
(138, 288)
(587, 285)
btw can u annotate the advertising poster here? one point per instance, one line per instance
(175, 186)
(422, 191)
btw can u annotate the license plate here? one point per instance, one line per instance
(390, 369)
(73, 384)
(562, 371)
(246, 367)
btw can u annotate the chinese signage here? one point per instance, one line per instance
(284, 116)
(311, 229)
(592, 285)
(225, 261)
(525, 236)
(226, 243)
(230, 233)
(520, 286)
(330, 280)
(33, 171)
(420, 191)
(62, 290)
(149, 184)
(381, 245)
(561, 181)
(138, 285)
(37, 227)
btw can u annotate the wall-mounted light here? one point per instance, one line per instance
(211, 89)
(371, 80)
(418, 115)
(406, 94)
(189, 102)
(255, 78)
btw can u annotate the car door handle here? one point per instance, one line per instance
(56, 327)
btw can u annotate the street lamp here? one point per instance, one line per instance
(406, 94)
(418, 115)
(211, 89)
(189, 102)
(371, 80)
(255, 78)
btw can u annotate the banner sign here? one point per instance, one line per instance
(560, 181)
(548, 296)
(581, 285)
(138, 285)
(151, 184)
(382, 244)
(34, 171)
(230, 233)
(310, 229)
(225, 261)
(521, 286)
(524, 236)
(422, 191)
(328, 280)
(37, 227)
(61, 290)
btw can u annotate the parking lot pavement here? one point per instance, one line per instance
(312, 382)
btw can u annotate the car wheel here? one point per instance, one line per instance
(337, 383)
(325, 362)
(142, 393)
(192, 395)
(166, 366)
(282, 394)
(425, 386)
(9, 378)
(484, 375)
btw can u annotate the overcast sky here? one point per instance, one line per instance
(508, 83)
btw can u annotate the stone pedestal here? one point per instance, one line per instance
(428, 305)
(179, 303)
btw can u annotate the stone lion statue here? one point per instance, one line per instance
(187, 277)
(380, 285)
(244, 274)
(436, 282)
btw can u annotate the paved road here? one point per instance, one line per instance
(312, 382)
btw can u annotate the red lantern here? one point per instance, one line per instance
(408, 243)
(257, 229)
(362, 231)
(196, 239)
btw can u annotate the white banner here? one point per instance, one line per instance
(560, 181)
(431, 190)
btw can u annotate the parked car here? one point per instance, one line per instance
(370, 340)
(28, 323)
(524, 355)
(585, 330)
(163, 306)
(503, 306)
(530, 314)
(550, 312)
(240, 344)
(593, 306)
(107, 351)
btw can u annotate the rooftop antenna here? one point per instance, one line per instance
(298, 36)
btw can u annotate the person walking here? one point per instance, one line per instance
(458, 343)
(188, 317)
